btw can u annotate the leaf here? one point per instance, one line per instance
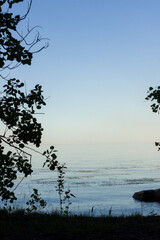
(21, 145)
(38, 107)
(151, 88)
(157, 144)
(73, 195)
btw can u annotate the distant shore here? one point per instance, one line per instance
(53, 226)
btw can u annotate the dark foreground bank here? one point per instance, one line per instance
(44, 226)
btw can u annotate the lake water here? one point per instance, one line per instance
(100, 176)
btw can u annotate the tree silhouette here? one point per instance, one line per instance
(154, 96)
(18, 108)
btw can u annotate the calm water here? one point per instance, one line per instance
(101, 176)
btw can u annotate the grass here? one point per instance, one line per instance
(18, 225)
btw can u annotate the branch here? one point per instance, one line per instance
(33, 150)
(10, 68)
(29, 8)
(4, 78)
(23, 38)
(18, 183)
(12, 145)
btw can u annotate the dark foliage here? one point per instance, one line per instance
(18, 108)
(11, 49)
(154, 96)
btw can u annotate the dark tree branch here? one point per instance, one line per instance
(15, 147)
(29, 8)
(19, 183)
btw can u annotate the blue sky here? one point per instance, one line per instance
(103, 57)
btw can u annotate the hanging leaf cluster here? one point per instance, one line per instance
(17, 111)
(11, 48)
(154, 96)
(10, 165)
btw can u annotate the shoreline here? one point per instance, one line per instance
(18, 225)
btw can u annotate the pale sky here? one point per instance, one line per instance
(103, 57)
